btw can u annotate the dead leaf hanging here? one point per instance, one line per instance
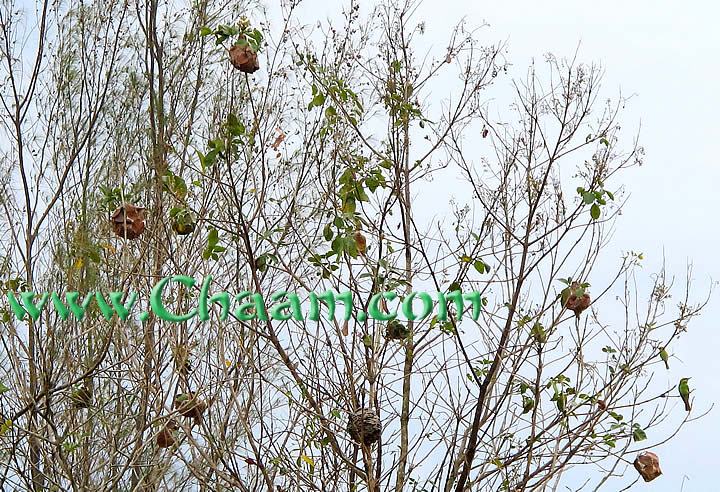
(360, 242)
(278, 140)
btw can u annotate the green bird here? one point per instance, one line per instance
(664, 357)
(684, 390)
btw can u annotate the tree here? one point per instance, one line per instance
(318, 172)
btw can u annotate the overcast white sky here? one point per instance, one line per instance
(666, 53)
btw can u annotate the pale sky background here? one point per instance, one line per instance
(667, 54)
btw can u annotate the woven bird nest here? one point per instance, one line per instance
(648, 466)
(577, 299)
(188, 405)
(244, 58)
(364, 426)
(166, 436)
(183, 228)
(82, 397)
(396, 331)
(128, 221)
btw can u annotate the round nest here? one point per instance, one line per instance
(364, 426)
(396, 331)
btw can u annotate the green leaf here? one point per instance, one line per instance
(367, 341)
(205, 31)
(386, 164)
(479, 266)
(203, 160)
(538, 332)
(588, 197)
(605, 142)
(3, 389)
(213, 237)
(349, 205)
(638, 433)
(234, 126)
(6, 426)
(338, 245)
(595, 211)
(327, 232)
(528, 404)
(318, 100)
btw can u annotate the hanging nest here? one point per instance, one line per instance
(188, 405)
(364, 426)
(128, 221)
(81, 396)
(166, 436)
(244, 58)
(182, 229)
(183, 222)
(575, 298)
(396, 331)
(648, 466)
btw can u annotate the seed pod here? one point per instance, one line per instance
(648, 466)
(244, 58)
(128, 221)
(364, 426)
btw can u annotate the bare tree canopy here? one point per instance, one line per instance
(241, 148)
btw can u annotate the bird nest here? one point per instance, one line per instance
(128, 221)
(364, 426)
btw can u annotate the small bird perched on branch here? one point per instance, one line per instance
(684, 390)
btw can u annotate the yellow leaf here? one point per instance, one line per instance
(307, 459)
(79, 263)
